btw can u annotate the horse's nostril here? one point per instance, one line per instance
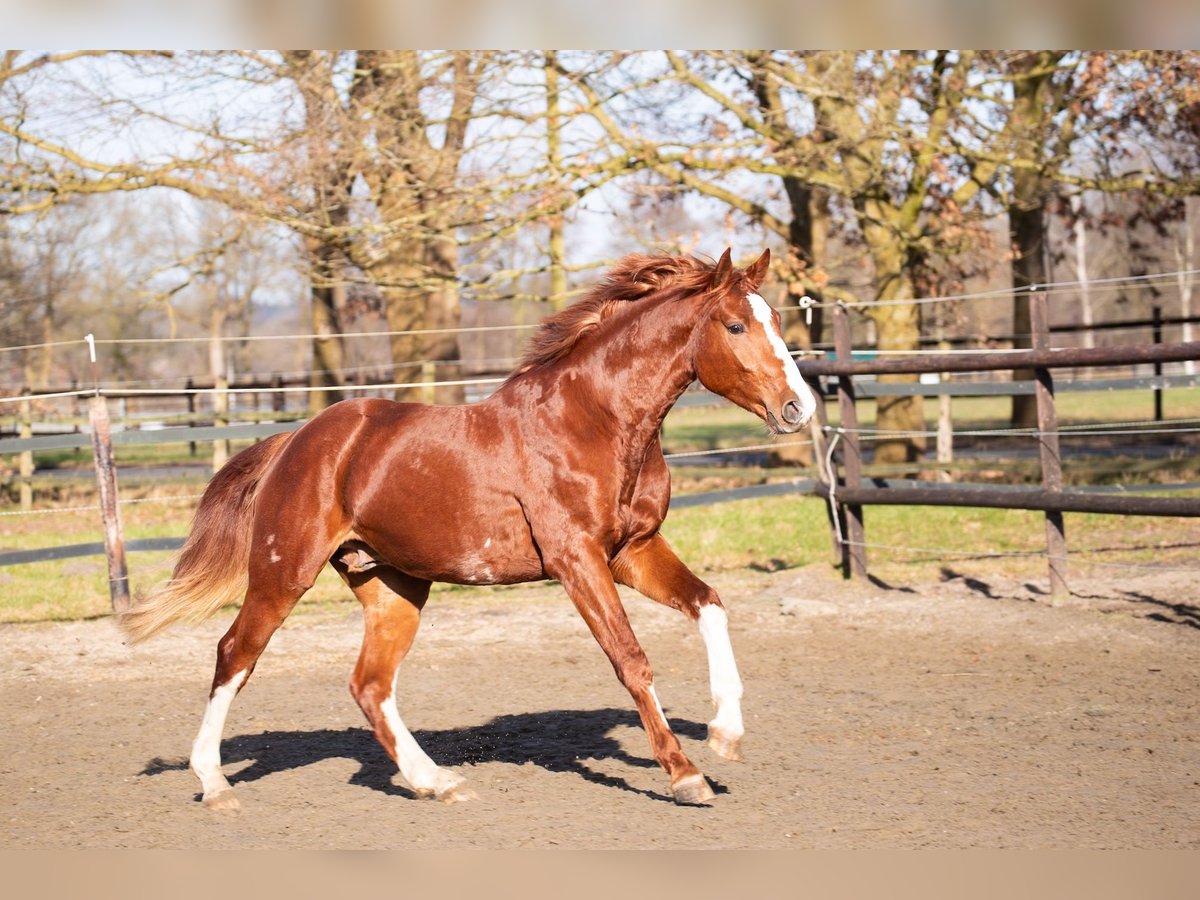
(791, 412)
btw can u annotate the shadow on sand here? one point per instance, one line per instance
(556, 740)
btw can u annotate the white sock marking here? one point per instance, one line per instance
(762, 312)
(206, 749)
(723, 676)
(421, 772)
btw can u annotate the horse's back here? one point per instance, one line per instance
(430, 489)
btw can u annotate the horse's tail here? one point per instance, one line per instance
(211, 569)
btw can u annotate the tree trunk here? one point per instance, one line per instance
(898, 327)
(1081, 273)
(807, 235)
(1185, 260)
(327, 301)
(808, 232)
(404, 311)
(1031, 113)
(216, 364)
(1027, 230)
(443, 311)
(558, 274)
(416, 189)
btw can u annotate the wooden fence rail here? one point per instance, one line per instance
(847, 495)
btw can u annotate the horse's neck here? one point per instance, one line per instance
(647, 366)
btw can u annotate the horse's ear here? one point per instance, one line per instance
(723, 271)
(757, 270)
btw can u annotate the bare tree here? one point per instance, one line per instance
(858, 143)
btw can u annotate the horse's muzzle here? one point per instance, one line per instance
(793, 415)
(791, 418)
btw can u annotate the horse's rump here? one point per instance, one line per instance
(211, 569)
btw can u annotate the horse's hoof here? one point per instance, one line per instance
(222, 800)
(725, 746)
(692, 790)
(448, 787)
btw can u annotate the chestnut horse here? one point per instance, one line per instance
(559, 474)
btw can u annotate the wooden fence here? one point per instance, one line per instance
(847, 494)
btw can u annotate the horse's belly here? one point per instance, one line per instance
(491, 564)
(498, 550)
(488, 563)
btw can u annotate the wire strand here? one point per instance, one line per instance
(93, 508)
(719, 450)
(302, 389)
(1133, 281)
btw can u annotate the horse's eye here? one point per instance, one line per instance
(736, 328)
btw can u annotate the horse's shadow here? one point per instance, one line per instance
(557, 740)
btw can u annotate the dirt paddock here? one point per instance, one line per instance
(960, 714)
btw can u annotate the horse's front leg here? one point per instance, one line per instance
(651, 567)
(585, 575)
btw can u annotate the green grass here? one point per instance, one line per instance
(768, 534)
(78, 588)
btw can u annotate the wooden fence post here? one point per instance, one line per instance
(945, 425)
(1048, 450)
(220, 403)
(190, 388)
(25, 458)
(854, 553)
(110, 512)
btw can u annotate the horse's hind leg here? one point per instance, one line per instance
(392, 603)
(269, 599)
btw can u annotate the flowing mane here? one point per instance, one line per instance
(633, 278)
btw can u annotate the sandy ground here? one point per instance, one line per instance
(961, 714)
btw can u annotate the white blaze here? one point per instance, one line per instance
(762, 312)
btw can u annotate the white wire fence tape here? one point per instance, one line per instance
(299, 389)
(1120, 281)
(1141, 282)
(181, 498)
(774, 445)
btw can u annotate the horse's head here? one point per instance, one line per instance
(740, 353)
